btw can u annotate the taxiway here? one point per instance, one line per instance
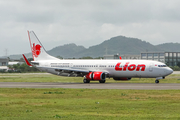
(137, 86)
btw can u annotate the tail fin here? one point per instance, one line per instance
(38, 51)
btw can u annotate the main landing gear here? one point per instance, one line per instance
(102, 81)
(86, 81)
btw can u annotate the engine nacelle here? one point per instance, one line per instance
(96, 76)
(121, 78)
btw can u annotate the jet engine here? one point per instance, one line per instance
(96, 76)
(121, 78)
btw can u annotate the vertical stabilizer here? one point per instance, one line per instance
(38, 51)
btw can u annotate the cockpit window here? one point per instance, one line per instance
(162, 65)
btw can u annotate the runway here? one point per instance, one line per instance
(136, 86)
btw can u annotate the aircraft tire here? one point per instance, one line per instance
(156, 81)
(86, 81)
(102, 81)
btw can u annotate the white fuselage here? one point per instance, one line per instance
(114, 68)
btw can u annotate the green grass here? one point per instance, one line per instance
(43, 77)
(86, 104)
(68, 104)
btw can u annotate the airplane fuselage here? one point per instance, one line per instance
(114, 68)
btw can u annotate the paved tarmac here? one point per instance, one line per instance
(137, 86)
(176, 72)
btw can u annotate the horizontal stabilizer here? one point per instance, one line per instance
(27, 62)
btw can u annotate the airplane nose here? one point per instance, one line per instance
(169, 71)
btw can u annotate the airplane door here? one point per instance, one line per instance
(151, 67)
(71, 65)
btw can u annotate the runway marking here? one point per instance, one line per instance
(137, 86)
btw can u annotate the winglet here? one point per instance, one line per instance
(27, 62)
(120, 58)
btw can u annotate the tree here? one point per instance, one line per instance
(99, 58)
(178, 64)
(23, 68)
(88, 57)
(175, 68)
(59, 57)
(30, 59)
(167, 63)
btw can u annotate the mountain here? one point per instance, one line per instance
(172, 47)
(67, 51)
(120, 44)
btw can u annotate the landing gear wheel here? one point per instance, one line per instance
(102, 81)
(86, 81)
(156, 81)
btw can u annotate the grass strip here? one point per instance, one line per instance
(66, 104)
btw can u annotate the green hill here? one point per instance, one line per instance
(172, 47)
(67, 51)
(120, 44)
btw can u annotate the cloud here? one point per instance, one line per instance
(108, 30)
(86, 22)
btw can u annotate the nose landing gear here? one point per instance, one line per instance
(156, 81)
(158, 78)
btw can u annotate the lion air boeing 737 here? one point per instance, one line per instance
(95, 70)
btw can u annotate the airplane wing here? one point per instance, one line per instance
(65, 70)
(79, 72)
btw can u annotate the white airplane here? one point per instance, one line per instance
(95, 70)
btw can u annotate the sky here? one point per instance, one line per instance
(86, 22)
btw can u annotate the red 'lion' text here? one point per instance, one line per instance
(131, 67)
